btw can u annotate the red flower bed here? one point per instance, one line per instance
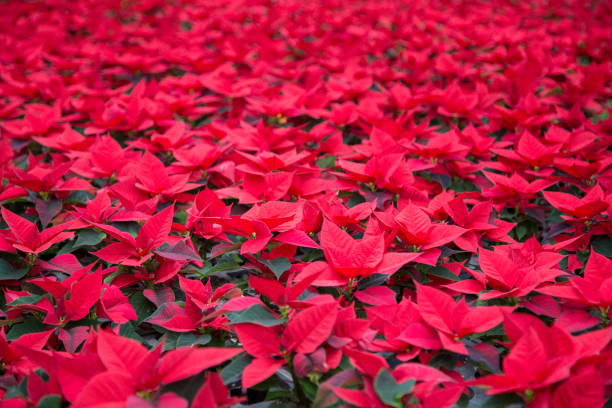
(298, 203)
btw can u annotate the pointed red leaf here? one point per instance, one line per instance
(119, 353)
(258, 341)
(184, 362)
(155, 231)
(259, 370)
(310, 328)
(106, 390)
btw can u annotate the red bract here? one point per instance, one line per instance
(592, 204)
(153, 178)
(516, 271)
(454, 320)
(201, 309)
(590, 289)
(549, 352)
(135, 251)
(214, 394)
(351, 258)
(326, 203)
(38, 120)
(44, 178)
(25, 236)
(129, 368)
(303, 334)
(74, 296)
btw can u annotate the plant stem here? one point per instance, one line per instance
(301, 396)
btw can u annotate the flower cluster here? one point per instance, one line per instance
(305, 203)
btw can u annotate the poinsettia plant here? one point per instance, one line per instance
(305, 204)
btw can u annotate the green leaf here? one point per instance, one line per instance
(442, 272)
(355, 199)
(7, 272)
(255, 314)
(130, 227)
(109, 279)
(79, 197)
(389, 391)
(190, 339)
(26, 300)
(180, 217)
(312, 255)
(584, 60)
(387, 388)
(376, 279)
(186, 388)
(221, 266)
(309, 388)
(460, 185)
(29, 325)
(602, 117)
(405, 387)
(503, 401)
(88, 237)
(128, 330)
(277, 265)
(20, 390)
(496, 331)
(50, 401)
(233, 370)
(443, 359)
(442, 179)
(141, 305)
(66, 248)
(171, 340)
(326, 162)
(603, 245)
(521, 230)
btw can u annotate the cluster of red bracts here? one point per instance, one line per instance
(327, 203)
